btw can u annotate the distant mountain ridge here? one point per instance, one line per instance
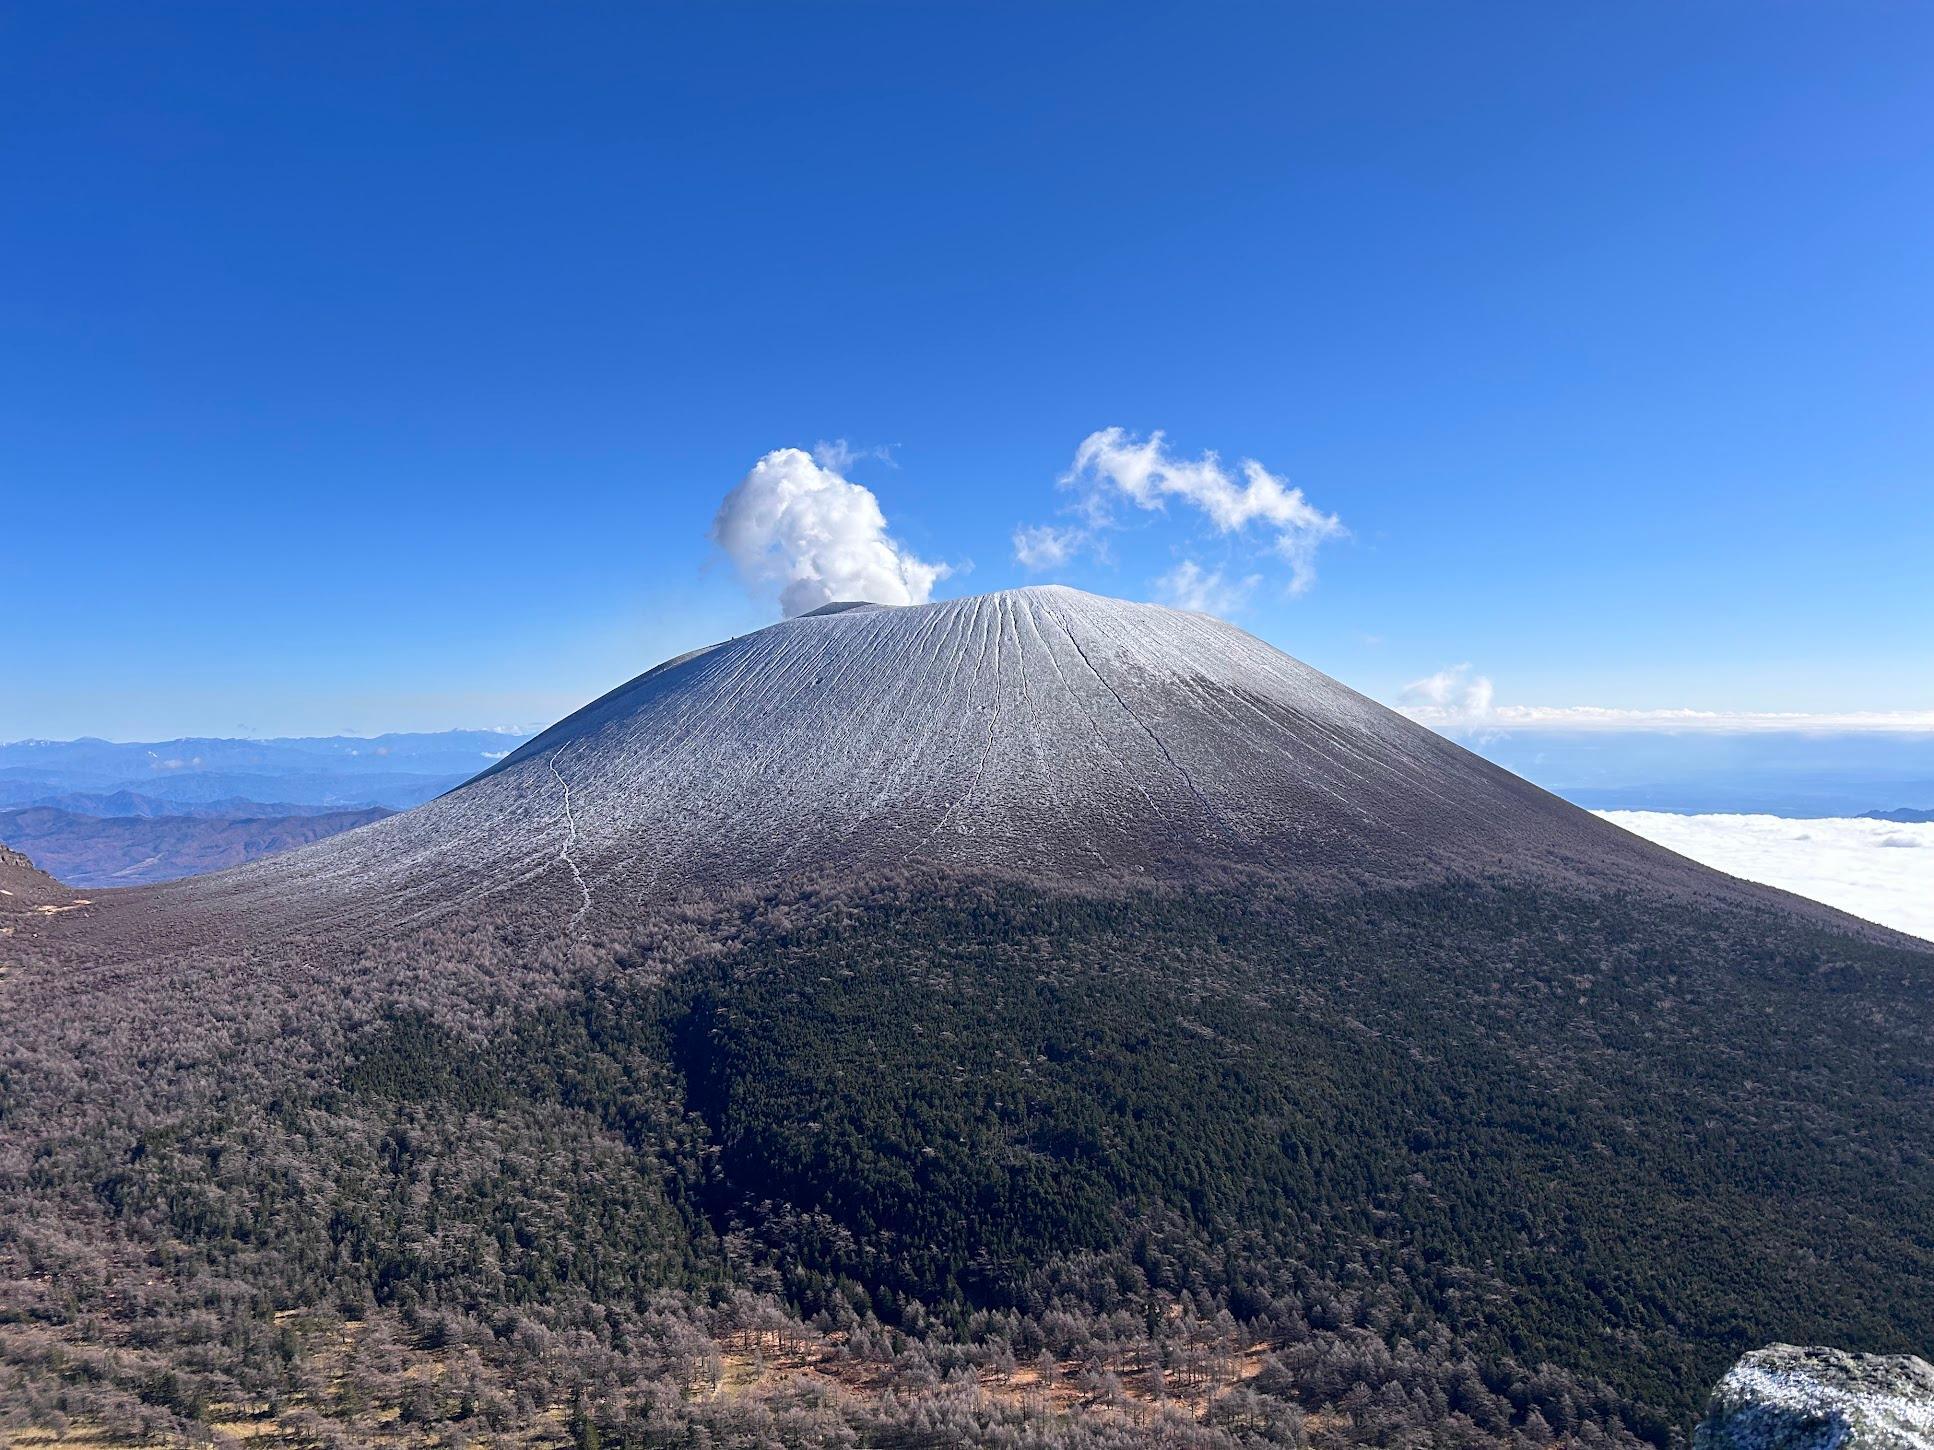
(99, 813)
(133, 850)
(1904, 816)
(419, 751)
(203, 775)
(133, 803)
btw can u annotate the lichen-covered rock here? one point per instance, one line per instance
(1785, 1397)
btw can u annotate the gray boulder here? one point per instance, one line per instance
(1785, 1397)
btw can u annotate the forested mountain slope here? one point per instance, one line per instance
(1235, 1064)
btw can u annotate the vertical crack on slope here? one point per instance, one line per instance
(570, 836)
(1127, 771)
(1208, 810)
(1027, 612)
(993, 723)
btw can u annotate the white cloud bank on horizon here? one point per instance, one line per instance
(1878, 870)
(796, 524)
(1472, 710)
(1458, 701)
(1113, 465)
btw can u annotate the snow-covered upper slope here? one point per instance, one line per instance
(1043, 729)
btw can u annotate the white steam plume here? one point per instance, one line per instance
(819, 538)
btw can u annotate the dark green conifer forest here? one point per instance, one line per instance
(935, 1160)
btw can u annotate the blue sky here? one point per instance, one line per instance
(381, 367)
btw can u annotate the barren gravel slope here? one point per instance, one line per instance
(1042, 729)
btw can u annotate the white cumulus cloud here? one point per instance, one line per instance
(840, 456)
(796, 526)
(1454, 695)
(1043, 546)
(1205, 591)
(1880, 870)
(1113, 463)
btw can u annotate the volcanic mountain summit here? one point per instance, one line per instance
(807, 992)
(1038, 729)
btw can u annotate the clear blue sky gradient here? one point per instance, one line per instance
(372, 367)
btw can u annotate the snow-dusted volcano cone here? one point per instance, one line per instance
(1042, 729)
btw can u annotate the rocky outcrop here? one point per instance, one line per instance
(29, 900)
(24, 884)
(1785, 1397)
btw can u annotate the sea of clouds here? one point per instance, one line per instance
(1874, 869)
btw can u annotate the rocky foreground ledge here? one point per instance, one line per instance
(1785, 1397)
